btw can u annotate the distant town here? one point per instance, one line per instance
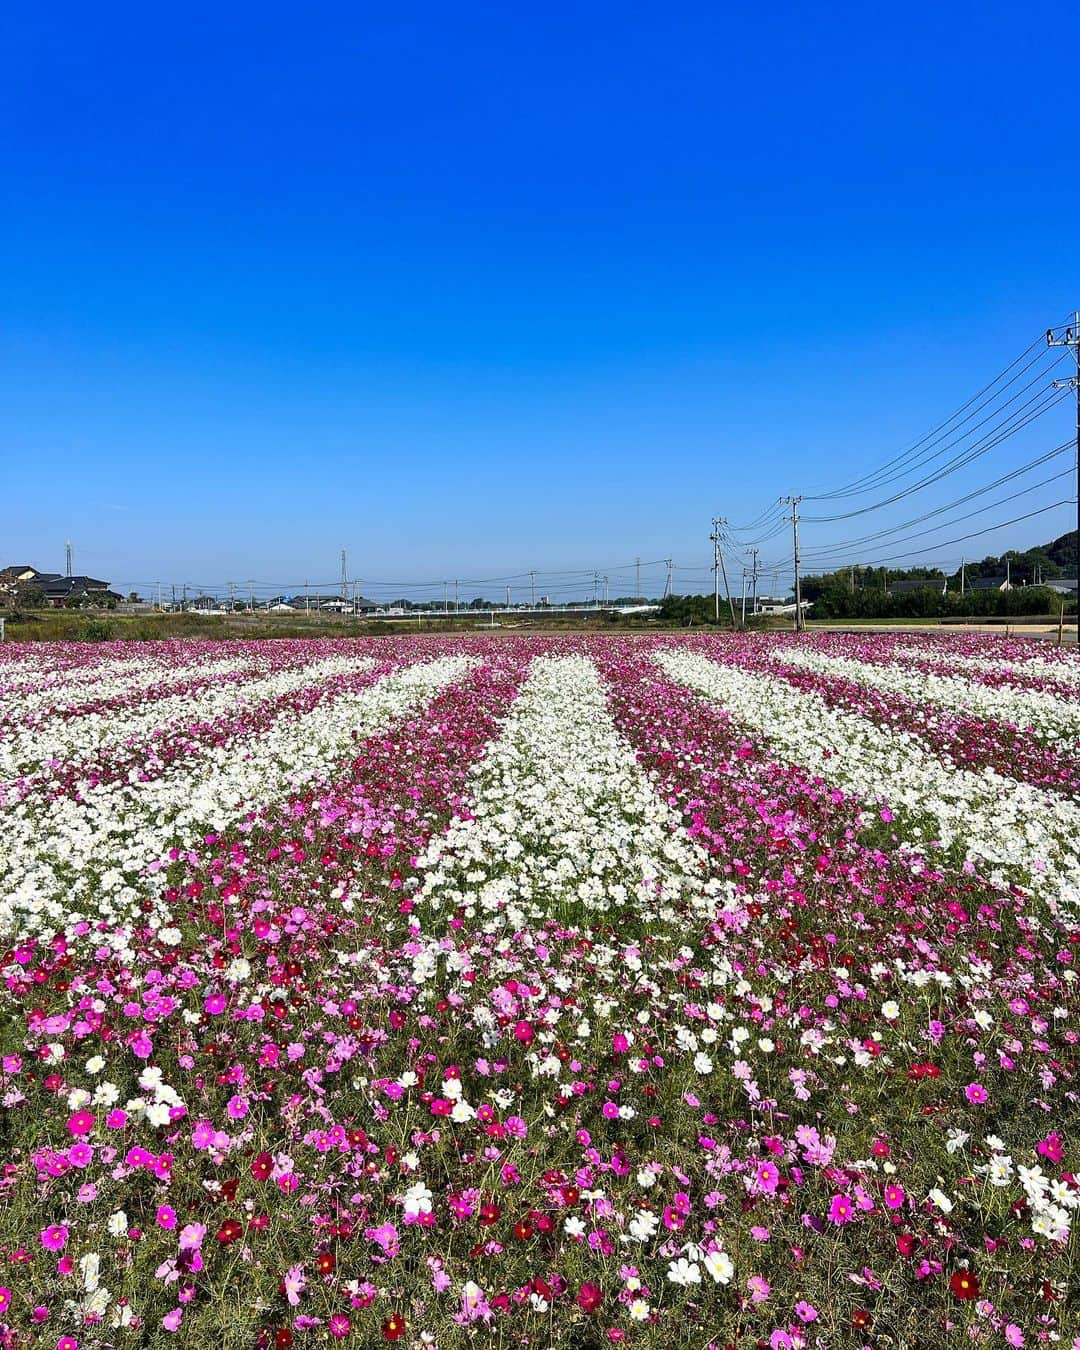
(1044, 574)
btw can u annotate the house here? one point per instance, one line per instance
(935, 584)
(77, 590)
(333, 604)
(21, 577)
(767, 605)
(1060, 585)
(989, 584)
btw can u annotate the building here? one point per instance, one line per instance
(989, 584)
(19, 578)
(770, 605)
(333, 604)
(80, 590)
(1061, 586)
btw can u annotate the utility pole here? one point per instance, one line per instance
(251, 596)
(344, 578)
(532, 581)
(744, 575)
(67, 558)
(183, 603)
(1072, 339)
(963, 563)
(306, 601)
(718, 566)
(753, 582)
(232, 596)
(605, 592)
(667, 584)
(595, 586)
(637, 580)
(445, 605)
(508, 597)
(793, 502)
(159, 597)
(1008, 572)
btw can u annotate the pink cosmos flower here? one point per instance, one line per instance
(759, 1288)
(976, 1094)
(1051, 1147)
(171, 1321)
(191, 1237)
(894, 1196)
(202, 1136)
(767, 1178)
(166, 1216)
(841, 1209)
(54, 1237)
(294, 1284)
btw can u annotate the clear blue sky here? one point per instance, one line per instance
(481, 288)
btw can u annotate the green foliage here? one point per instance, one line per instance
(837, 601)
(686, 611)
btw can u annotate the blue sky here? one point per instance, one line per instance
(473, 292)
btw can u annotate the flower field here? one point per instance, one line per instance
(675, 991)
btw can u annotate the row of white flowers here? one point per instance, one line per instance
(79, 737)
(1053, 719)
(1017, 830)
(1039, 665)
(38, 687)
(66, 861)
(565, 821)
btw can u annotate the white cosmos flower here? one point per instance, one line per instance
(720, 1266)
(684, 1272)
(939, 1198)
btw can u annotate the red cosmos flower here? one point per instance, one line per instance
(325, 1261)
(964, 1285)
(283, 1338)
(523, 1230)
(590, 1296)
(229, 1231)
(906, 1244)
(262, 1165)
(490, 1213)
(861, 1318)
(394, 1327)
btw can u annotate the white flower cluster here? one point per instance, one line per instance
(564, 819)
(1053, 719)
(38, 686)
(1050, 1200)
(78, 738)
(66, 860)
(1027, 834)
(1062, 666)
